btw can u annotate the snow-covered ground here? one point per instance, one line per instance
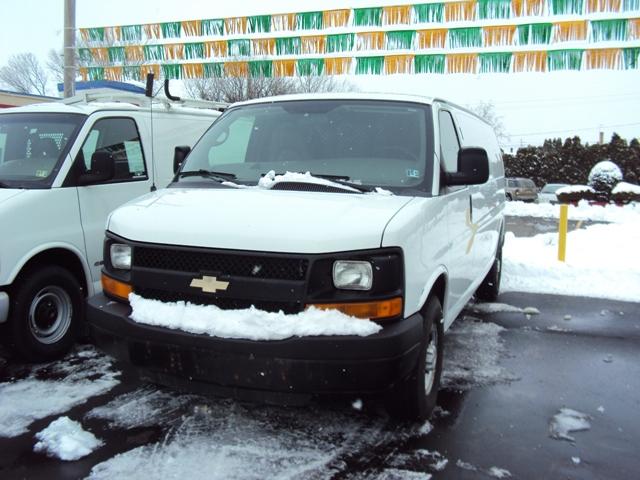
(54, 388)
(601, 260)
(583, 211)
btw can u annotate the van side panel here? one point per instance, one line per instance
(171, 129)
(488, 198)
(420, 230)
(50, 218)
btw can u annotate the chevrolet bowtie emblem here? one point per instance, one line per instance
(209, 284)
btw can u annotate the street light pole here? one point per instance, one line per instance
(69, 47)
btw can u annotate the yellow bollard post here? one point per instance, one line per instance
(562, 232)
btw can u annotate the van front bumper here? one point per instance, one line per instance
(268, 371)
(4, 306)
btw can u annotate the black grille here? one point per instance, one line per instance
(223, 303)
(226, 263)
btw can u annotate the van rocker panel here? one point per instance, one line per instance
(309, 365)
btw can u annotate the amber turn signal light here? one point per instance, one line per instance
(378, 310)
(115, 288)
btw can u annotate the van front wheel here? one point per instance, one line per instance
(415, 397)
(46, 309)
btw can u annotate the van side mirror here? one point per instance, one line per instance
(473, 167)
(179, 155)
(102, 169)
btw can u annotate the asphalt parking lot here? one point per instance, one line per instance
(508, 372)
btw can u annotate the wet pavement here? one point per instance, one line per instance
(507, 375)
(530, 226)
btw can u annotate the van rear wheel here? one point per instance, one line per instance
(490, 287)
(414, 398)
(46, 309)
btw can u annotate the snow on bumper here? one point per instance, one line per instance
(250, 369)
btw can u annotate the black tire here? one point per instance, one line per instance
(414, 398)
(47, 308)
(509, 198)
(490, 287)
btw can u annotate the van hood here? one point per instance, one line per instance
(7, 193)
(258, 219)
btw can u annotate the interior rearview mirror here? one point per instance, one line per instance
(473, 167)
(179, 155)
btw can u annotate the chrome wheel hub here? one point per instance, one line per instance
(50, 314)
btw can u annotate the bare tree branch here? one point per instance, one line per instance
(55, 64)
(236, 89)
(24, 74)
(487, 111)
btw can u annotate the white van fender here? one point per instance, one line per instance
(31, 254)
(438, 272)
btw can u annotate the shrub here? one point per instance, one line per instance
(603, 177)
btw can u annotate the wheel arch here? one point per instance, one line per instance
(63, 256)
(436, 286)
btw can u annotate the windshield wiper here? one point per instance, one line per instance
(343, 180)
(218, 176)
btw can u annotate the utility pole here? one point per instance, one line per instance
(69, 48)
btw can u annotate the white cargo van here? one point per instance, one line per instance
(382, 207)
(64, 166)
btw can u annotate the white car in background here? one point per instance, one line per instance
(548, 192)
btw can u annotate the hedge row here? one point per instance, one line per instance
(571, 161)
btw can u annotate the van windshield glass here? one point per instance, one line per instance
(33, 146)
(376, 143)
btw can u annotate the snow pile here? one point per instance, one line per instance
(66, 440)
(568, 420)
(250, 324)
(497, 472)
(583, 211)
(626, 188)
(489, 307)
(472, 353)
(569, 189)
(271, 179)
(54, 388)
(143, 407)
(599, 263)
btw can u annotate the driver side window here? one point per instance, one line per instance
(119, 138)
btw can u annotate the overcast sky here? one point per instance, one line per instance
(533, 106)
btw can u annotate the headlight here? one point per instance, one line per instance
(120, 256)
(352, 275)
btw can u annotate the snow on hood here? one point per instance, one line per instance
(258, 219)
(7, 193)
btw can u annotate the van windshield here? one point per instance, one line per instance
(33, 146)
(374, 143)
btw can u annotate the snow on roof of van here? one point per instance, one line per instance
(398, 97)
